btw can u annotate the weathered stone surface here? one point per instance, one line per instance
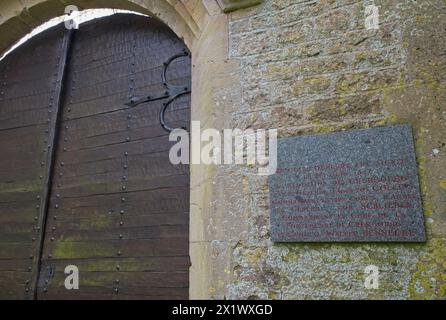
(232, 5)
(355, 186)
(365, 78)
(395, 74)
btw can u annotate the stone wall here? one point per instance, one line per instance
(303, 67)
(310, 67)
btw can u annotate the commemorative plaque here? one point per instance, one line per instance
(353, 186)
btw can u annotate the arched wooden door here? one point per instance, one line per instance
(85, 180)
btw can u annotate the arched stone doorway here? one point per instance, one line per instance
(203, 25)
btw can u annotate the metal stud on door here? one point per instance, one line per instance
(116, 209)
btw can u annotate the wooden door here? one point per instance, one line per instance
(113, 204)
(30, 81)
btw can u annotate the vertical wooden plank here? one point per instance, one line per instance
(29, 82)
(119, 210)
(53, 128)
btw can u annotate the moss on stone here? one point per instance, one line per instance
(429, 279)
(292, 256)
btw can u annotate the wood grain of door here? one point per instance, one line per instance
(89, 180)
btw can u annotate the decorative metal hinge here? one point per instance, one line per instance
(172, 92)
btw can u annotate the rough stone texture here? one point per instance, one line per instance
(232, 5)
(303, 67)
(309, 67)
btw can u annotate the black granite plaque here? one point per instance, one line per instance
(353, 186)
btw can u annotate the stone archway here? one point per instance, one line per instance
(186, 19)
(204, 27)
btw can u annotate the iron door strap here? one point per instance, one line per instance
(51, 271)
(53, 133)
(171, 94)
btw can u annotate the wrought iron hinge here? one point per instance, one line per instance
(172, 92)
